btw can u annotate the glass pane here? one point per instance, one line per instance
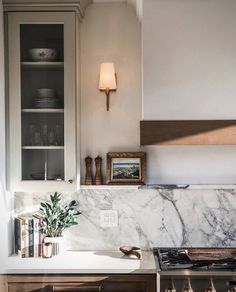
(42, 101)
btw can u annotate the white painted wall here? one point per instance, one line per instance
(189, 72)
(110, 32)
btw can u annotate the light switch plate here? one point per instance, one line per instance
(108, 218)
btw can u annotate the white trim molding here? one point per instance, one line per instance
(138, 5)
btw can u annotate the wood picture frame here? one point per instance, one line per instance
(126, 168)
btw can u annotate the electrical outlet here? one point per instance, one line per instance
(108, 218)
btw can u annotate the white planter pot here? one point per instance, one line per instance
(58, 244)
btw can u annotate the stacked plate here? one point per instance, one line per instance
(46, 98)
(52, 102)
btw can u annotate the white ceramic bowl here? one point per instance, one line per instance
(43, 54)
(46, 93)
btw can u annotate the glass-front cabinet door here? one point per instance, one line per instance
(42, 100)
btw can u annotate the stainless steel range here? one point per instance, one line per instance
(196, 269)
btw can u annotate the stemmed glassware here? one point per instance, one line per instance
(43, 136)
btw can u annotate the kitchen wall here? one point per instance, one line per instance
(148, 217)
(189, 70)
(110, 32)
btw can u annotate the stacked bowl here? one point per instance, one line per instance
(43, 54)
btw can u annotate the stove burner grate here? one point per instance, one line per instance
(177, 258)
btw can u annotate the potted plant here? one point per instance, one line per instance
(55, 219)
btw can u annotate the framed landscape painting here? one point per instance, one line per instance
(126, 167)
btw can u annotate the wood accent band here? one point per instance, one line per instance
(188, 132)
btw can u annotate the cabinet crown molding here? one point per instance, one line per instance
(78, 6)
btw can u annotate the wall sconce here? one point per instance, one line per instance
(107, 81)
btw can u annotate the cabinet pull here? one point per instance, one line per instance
(76, 288)
(70, 181)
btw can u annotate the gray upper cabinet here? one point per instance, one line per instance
(42, 92)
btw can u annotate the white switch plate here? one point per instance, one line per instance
(108, 218)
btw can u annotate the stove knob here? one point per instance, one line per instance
(232, 289)
(188, 287)
(211, 287)
(170, 288)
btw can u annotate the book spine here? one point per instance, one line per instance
(19, 234)
(23, 228)
(36, 237)
(16, 234)
(38, 234)
(40, 238)
(31, 237)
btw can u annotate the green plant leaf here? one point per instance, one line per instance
(58, 217)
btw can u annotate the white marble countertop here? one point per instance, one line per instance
(83, 262)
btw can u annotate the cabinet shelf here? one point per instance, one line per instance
(42, 147)
(42, 65)
(43, 110)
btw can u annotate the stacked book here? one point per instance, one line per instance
(28, 239)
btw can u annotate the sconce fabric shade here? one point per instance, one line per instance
(107, 77)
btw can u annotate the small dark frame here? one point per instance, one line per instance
(137, 172)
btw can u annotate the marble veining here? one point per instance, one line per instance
(148, 217)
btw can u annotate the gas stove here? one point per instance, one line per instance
(196, 269)
(196, 259)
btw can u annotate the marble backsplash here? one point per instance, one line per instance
(148, 217)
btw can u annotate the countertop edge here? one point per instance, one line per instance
(78, 272)
(81, 262)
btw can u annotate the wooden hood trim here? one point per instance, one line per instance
(188, 132)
